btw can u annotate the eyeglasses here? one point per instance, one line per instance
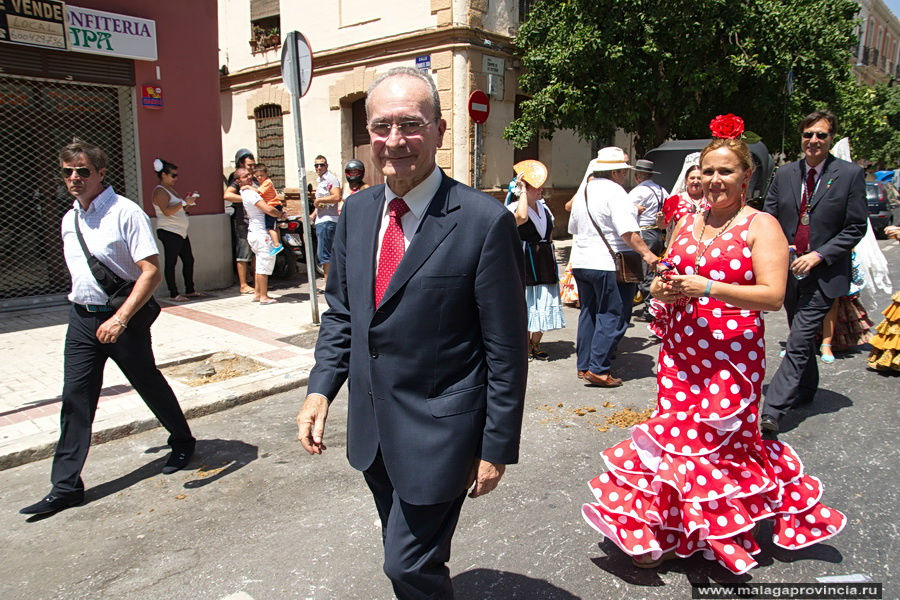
(807, 135)
(82, 172)
(383, 128)
(317, 165)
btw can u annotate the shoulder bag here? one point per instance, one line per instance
(629, 265)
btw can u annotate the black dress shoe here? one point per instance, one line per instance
(768, 424)
(178, 460)
(53, 503)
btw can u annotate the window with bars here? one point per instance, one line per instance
(39, 117)
(270, 141)
(525, 7)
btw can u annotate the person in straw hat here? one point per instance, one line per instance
(535, 223)
(603, 208)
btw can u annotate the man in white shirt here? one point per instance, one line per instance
(328, 196)
(648, 196)
(603, 210)
(257, 235)
(117, 232)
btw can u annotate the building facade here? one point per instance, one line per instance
(466, 45)
(877, 55)
(114, 73)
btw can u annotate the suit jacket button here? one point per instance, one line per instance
(373, 353)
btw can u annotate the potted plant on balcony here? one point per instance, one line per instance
(274, 38)
(258, 40)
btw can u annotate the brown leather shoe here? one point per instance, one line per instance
(605, 380)
(581, 374)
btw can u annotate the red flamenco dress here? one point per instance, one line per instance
(697, 476)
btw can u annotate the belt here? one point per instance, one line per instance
(646, 227)
(96, 308)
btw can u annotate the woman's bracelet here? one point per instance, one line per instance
(119, 322)
(708, 288)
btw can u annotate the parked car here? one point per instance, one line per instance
(884, 206)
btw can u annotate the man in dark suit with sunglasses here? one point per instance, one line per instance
(820, 201)
(117, 232)
(427, 320)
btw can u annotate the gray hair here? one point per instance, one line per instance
(407, 72)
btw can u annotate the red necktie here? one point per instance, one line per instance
(392, 248)
(801, 238)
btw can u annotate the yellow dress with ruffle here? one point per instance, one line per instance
(885, 355)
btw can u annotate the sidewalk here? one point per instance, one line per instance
(31, 342)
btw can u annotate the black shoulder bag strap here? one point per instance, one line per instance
(109, 281)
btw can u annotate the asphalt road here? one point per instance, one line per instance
(254, 517)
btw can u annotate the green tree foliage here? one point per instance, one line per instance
(871, 117)
(664, 69)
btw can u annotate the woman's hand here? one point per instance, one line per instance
(693, 286)
(662, 290)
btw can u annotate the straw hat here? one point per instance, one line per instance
(610, 158)
(532, 171)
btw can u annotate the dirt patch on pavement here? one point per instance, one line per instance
(594, 416)
(218, 367)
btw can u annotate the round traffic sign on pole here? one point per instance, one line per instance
(479, 106)
(296, 63)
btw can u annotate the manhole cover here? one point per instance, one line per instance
(218, 367)
(304, 339)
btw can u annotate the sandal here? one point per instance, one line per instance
(652, 564)
(197, 295)
(268, 301)
(180, 298)
(537, 353)
(829, 357)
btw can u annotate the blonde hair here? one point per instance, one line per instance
(738, 146)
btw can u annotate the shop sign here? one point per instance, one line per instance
(151, 96)
(99, 32)
(33, 23)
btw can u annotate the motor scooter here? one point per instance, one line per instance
(286, 261)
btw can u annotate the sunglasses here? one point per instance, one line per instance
(82, 172)
(807, 135)
(317, 165)
(173, 175)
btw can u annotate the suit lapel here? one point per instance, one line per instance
(370, 220)
(795, 189)
(829, 176)
(433, 228)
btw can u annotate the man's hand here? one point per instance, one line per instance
(311, 423)
(486, 475)
(109, 331)
(805, 263)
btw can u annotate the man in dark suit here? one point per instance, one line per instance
(427, 321)
(820, 202)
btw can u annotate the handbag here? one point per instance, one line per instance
(629, 266)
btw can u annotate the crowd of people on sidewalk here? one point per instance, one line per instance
(475, 285)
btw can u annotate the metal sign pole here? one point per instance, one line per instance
(294, 61)
(476, 176)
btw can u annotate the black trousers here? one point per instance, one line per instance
(84, 360)
(176, 247)
(416, 539)
(797, 378)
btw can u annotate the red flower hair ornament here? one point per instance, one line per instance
(727, 126)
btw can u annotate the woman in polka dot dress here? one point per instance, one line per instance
(697, 476)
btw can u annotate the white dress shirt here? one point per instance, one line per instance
(417, 199)
(117, 231)
(613, 212)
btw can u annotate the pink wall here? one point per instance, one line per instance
(187, 130)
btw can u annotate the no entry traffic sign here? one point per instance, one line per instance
(479, 106)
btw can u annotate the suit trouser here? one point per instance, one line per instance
(654, 240)
(797, 378)
(84, 360)
(416, 539)
(605, 314)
